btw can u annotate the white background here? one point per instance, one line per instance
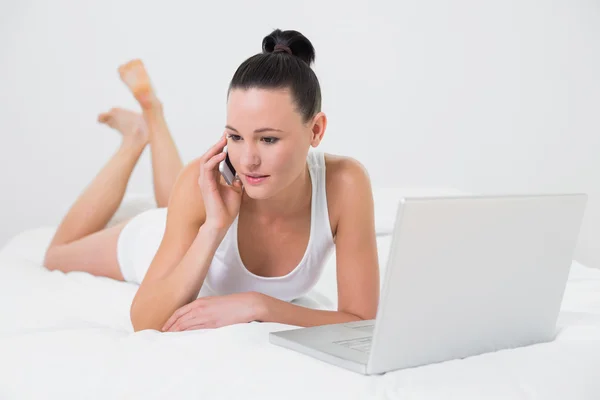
(485, 97)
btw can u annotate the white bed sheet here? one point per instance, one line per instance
(69, 336)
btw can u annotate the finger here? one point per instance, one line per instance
(178, 313)
(184, 312)
(210, 323)
(173, 318)
(215, 149)
(185, 325)
(213, 161)
(222, 181)
(195, 327)
(191, 325)
(238, 185)
(167, 326)
(185, 319)
(211, 165)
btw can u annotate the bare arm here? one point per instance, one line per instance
(356, 244)
(200, 212)
(271, 309)
(177, 271)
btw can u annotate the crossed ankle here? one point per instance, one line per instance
(132, 145)
(151, 103)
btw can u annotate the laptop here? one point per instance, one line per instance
(465, 276)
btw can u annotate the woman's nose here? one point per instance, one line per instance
(250, 157)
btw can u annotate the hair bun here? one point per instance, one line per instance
(292, 42)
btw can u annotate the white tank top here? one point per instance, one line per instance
(227, 273)
(140, 238)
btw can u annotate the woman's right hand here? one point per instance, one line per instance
(221, 201)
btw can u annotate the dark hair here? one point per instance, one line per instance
(280, 69)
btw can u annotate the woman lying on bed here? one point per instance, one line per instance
(255, 245)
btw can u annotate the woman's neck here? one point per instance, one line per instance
(290, 201)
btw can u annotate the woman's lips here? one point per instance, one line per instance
(256, 180)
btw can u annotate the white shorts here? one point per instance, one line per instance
(138, 243)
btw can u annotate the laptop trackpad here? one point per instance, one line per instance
(359, 344)
(343, 341)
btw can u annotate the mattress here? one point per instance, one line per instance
(66, 336)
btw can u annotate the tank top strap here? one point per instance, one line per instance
(316, 162)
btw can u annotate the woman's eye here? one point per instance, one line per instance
(235, 138)
(270, 140)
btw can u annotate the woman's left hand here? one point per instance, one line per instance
(214, 312)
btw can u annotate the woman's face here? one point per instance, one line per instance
(267, 139)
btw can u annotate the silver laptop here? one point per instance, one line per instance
(465, 276)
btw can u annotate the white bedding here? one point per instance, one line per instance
(69, 336)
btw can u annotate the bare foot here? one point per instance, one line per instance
(135, 76)
(131, 125)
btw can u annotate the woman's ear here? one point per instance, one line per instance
(318, 125)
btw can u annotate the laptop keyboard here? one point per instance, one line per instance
(363, 328)
(360, 344)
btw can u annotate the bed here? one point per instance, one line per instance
(66, 336)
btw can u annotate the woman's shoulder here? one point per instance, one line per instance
(193, 167)
(346, 180)
(343, 171)
(187, 180)
(186, 199)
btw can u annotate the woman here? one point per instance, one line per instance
(254, 245)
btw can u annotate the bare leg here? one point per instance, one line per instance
(96, 205)
(96, 254)
(81, 243)
(166, 162)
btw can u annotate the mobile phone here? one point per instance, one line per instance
(226, 169)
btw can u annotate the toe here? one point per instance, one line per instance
(104, 117)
